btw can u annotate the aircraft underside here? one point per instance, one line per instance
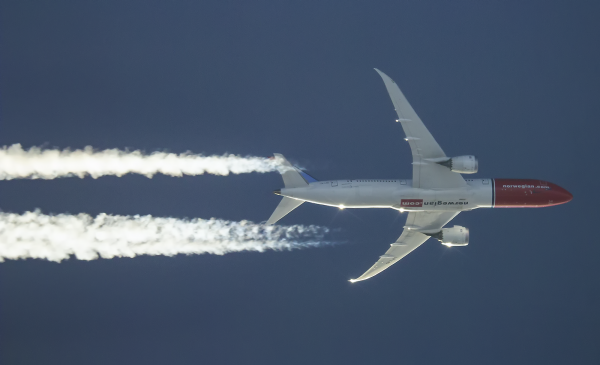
(400, 195)
(436, 193)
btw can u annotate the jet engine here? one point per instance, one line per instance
(455, 236)
(462, 164)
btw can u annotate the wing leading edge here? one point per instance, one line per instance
(410, 239)
(427, 174)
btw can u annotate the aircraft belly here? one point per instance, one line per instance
(364, 196)
(477, 195)
(444, 200)
(379, 199)
(350, 197)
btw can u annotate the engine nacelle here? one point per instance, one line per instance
(462, 164)
(455, 236)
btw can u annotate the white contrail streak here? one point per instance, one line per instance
(57, 237)
(38, 163)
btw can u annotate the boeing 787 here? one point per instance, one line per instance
(435, 195)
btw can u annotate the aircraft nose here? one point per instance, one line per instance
(568, 196)
(560, 194)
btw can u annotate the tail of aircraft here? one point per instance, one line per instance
(293, 177)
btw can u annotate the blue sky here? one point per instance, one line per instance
(515, 83)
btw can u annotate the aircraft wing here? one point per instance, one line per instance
(426, 174)
(410, 239)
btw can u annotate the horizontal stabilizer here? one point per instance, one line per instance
(286, 206)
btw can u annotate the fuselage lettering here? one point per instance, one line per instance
(445, 203)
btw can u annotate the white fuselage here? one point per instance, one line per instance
(394, 193)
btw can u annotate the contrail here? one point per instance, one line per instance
(38, 163)
(57, 237)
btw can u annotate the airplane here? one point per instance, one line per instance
(434, 196)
